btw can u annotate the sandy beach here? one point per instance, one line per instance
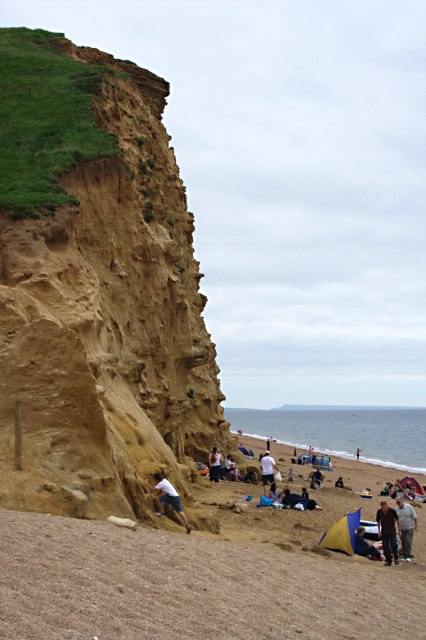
(260, 578)
(297, 530)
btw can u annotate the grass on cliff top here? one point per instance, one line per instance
(47, 123)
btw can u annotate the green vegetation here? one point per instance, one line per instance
(130, 172)
(47, 123)
(148, 212)
(126, 61)
(139, 140)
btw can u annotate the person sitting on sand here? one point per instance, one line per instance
(305, 494)
(317, 478)
(339, 483)
(166, 494)
(364, 548)
(399, 488)
(408, 493)
(274, 493)
(393, 492)
(234, 472)
(386, 489)
(231, 470)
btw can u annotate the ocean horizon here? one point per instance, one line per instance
(391, 437)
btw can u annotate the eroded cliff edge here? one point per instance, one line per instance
(100, 322)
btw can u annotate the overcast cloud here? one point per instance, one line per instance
(300, 130)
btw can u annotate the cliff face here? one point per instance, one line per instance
(102, 336)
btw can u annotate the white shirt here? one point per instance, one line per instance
(167, 487)
(267, 464)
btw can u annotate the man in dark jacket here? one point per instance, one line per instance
(387, 521)
(290, 499)
(364, 548)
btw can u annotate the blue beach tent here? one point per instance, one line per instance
(320, 461)
(340, 536)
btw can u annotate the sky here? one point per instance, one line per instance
(300, 131)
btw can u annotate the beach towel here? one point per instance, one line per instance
(265, 502)
(243, 450)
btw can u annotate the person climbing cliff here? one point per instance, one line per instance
(165, 494)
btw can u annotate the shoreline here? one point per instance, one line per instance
(343, 455)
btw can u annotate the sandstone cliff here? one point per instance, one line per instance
(102, 336)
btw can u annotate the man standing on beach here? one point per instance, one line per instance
(358, 451)
(268, 465)
(165, 493)
(387, 520)
(408, 525)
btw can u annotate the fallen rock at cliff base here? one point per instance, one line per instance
(123, 522)
(78, 500)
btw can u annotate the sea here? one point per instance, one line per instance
(393, 438)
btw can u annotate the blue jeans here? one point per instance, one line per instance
(390, 543)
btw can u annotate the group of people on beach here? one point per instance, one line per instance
(395, 490)
(271, 475)
(226, 469)
(222, 469)
(391, 523)
(402, 519)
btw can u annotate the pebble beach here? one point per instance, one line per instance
(260, 578)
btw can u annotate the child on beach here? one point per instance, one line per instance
(305, 494)
(291, 476)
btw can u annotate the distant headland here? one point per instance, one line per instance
(326, 407)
